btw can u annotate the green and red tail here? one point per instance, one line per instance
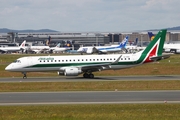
(153, 51)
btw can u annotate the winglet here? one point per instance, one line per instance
(117, 60)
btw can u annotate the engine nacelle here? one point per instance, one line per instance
(73, 71)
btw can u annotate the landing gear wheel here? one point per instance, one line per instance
(91, 76)
(85, 75)
(24, 75)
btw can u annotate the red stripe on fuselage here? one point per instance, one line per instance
(152, 53)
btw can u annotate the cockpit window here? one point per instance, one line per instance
(17, 61)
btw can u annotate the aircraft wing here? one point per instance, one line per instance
(99, 67)
(160, 57)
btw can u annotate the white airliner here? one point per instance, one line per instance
(104, 49)
(172, 48)
(38, 49)
(73, 65)
(58, 49)
(14, 49)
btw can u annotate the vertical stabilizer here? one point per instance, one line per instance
(23, 44)
(123, 43)
(154, 49)
(151, 36)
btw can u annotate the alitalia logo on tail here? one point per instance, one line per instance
(151, 53)
(154, 49)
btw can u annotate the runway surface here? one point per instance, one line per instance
(97, 97)
(98, 78)
(89, 97)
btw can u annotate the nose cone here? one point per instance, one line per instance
(8, 68)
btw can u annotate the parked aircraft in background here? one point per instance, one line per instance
(104, 49)
(134, 47)
(8, 49)
(168, 47)
(38, 49)
(172, 48)
(58, 48)
(86, 64)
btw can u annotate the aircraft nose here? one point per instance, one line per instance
(8, 68)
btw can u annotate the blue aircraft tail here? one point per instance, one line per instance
(151, 36)
(123, 43)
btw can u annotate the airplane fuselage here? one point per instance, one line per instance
(56, 63)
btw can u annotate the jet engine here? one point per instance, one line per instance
(73, 71)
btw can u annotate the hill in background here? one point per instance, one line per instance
(5, 30)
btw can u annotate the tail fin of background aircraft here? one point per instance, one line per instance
(151, 36)
(58, 45)
(136, 41)
(23, 44)
(123, 43)
(155, 47)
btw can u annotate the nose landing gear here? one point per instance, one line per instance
(24, 75)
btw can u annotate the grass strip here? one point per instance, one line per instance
(92, 112)
(90, 86)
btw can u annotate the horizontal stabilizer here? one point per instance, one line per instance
(160, 57)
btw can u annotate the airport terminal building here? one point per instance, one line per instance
(81, 39)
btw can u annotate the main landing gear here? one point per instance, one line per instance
(90, 75)
(24, 75)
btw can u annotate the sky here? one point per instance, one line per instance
(89, 15)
